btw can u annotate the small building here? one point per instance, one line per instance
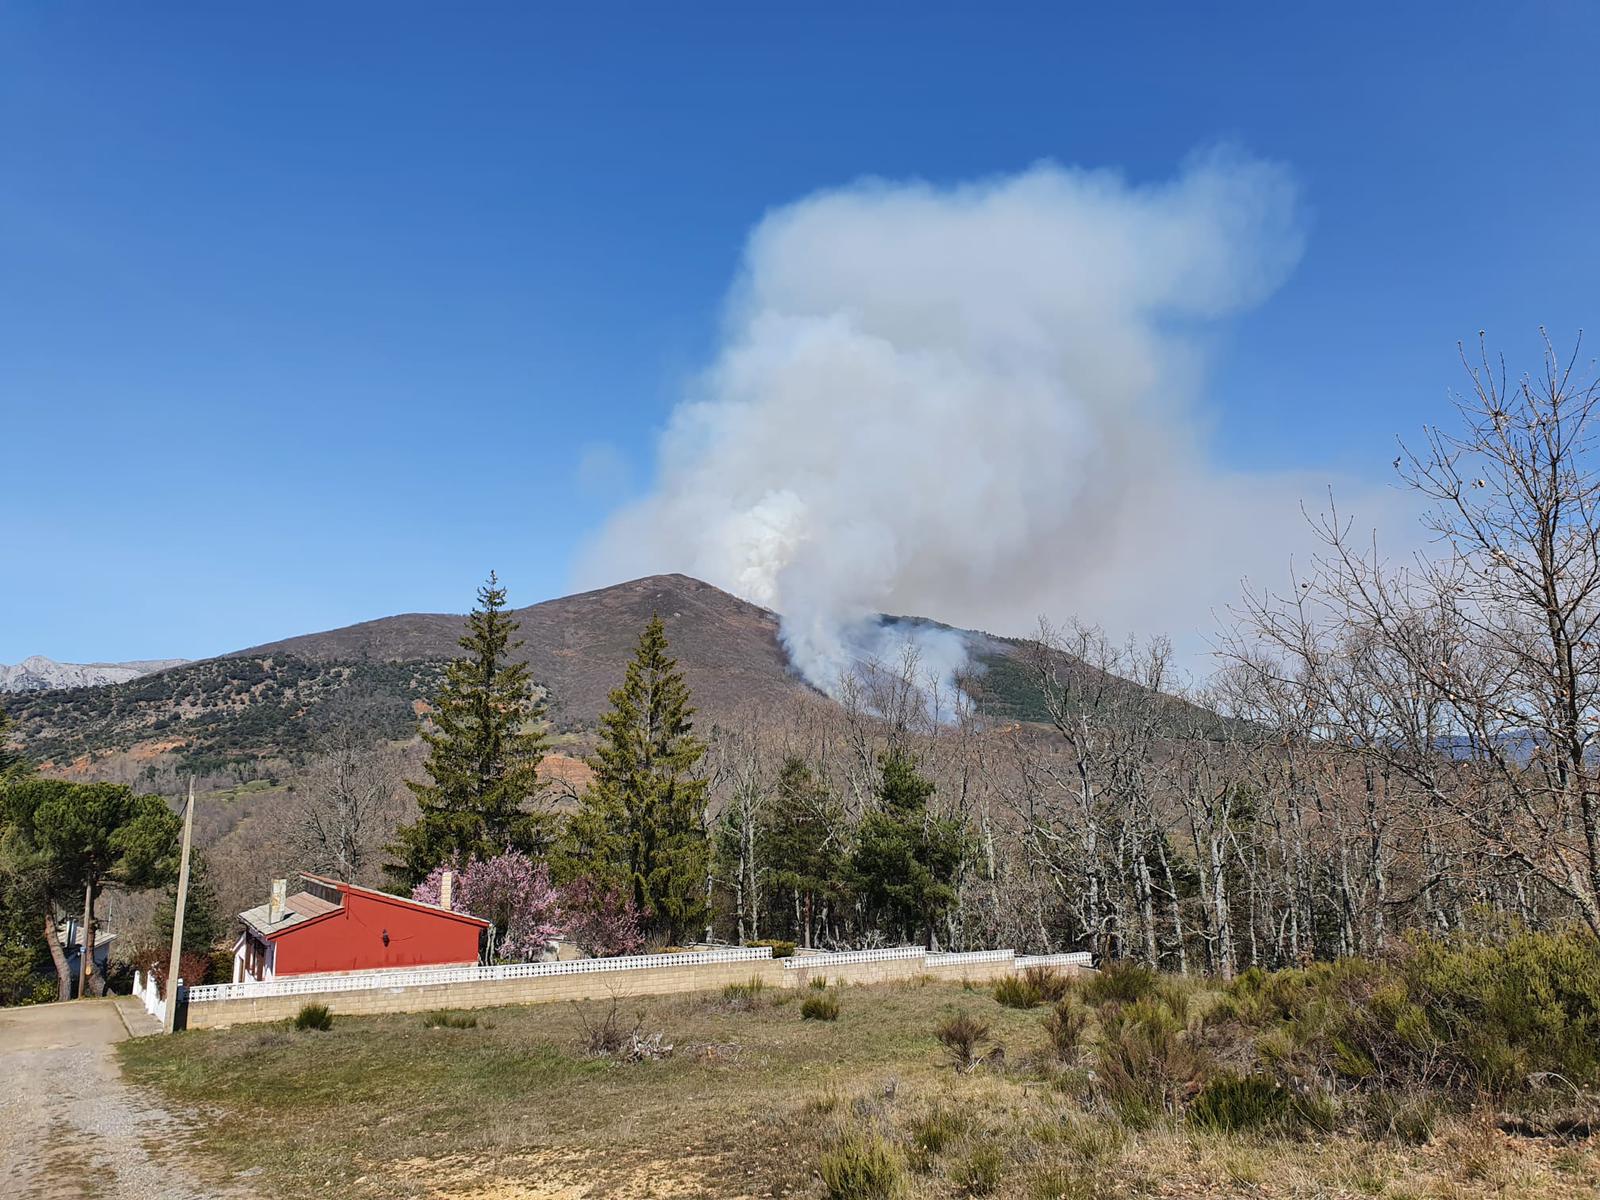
(333, 926)
(70, 934)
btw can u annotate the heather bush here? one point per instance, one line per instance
(820, 1006)
(1017, 991)
(1456, 1014)
(741, 997)
(1049, 983)
(314, 1016)
(1121, 983)
(1230, 1103)
(862, 1166)
(1145, 1058)
(963, 1037)
(981, 1171)
(1064, 1025)
(934, 1131)
(445, 1018)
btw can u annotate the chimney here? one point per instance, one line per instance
(280, 892)
(446, 889)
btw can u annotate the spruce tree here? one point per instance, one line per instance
(638, 825)
(204, 926)
(485, 737)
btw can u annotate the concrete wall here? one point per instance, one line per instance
(593, 985)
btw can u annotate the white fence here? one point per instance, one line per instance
(360, 981)
(1080, 958)
(800, 962)
(962, 958)
(149, 994)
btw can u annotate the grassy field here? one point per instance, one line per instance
(756, 1100)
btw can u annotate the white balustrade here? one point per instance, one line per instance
(408, 977)
(806, 962)
(962, 958)
(1079, 958)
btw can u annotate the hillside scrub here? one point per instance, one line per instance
(759, 1102)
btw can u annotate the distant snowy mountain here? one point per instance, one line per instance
(38, 674)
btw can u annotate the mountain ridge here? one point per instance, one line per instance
(37, 673)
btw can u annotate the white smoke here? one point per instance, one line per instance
(974, 403)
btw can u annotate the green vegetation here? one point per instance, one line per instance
(638, 825)
(485, 738)
(63, 844)
(446, 1018)
(862, 1166)
(779, 949)
(756, 1102)
(820, 1005)
(228, 712)
(1031, 987)
(905, 857)
(314, 1017)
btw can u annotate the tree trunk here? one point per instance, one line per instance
(86, 953)
(57, 956)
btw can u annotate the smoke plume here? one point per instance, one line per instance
(974, 403)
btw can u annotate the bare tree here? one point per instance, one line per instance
(1473, 674)
(349, 808)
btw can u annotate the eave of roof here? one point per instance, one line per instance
(401, 901)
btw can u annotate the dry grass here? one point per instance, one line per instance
(755, 1102)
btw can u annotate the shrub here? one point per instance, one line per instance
(937, 1129)
(980, 1173)
(1145, 1058)
(1121, 983)
(779, 949)
(823, 1006)
(744, 996)
(963, 1036)
(1245, 1104)
(1050, 983)
(1017, 991)
(444, 1018)
(1407, 1116)
(862, 1166)
(1064, 1026)
(819, 983)
(1453, 1013)
(314, 1016)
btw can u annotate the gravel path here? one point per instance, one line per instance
(70, 1127)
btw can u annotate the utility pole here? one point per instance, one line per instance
(85, 942)
(177, 915)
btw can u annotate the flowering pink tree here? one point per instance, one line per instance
(508, 889)
(601, 920)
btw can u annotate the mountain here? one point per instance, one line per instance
(37, 674)
(278, 701)
(578, 646)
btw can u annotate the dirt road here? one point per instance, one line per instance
(69, 1126)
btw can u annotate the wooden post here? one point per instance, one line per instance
(85, 942)
(171, 1016)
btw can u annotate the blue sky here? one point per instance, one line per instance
(315, 313)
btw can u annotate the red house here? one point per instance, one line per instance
(334, 926)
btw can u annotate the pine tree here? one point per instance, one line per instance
(638, 826)
(801, 845)
(485, 738)
(906, 858)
